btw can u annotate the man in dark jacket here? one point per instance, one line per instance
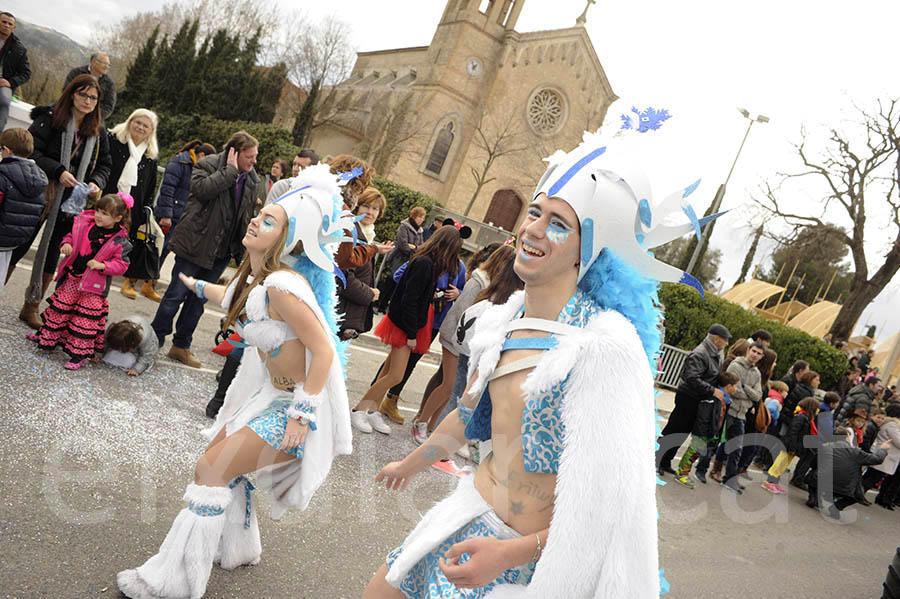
(840, 472)
(223, 194)
(14, 60)
(22, 185)
(793, 377)
(698, 382)
(860, 396)
(98, 67)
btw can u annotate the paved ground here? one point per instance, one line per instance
(95, 464)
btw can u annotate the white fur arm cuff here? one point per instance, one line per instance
(304, 405)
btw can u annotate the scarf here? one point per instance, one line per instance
(812, 423)
(192, 155)
(368, 232)
(129, 176)
(68, 144)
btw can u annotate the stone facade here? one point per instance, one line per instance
(427, 116)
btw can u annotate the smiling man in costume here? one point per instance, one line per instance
(561, 380)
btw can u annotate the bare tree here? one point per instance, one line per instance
(853, 172)
(494, 137)
(396, 130)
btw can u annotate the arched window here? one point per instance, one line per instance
(440, 149)
(504, 210)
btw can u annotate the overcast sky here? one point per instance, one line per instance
(798, 62)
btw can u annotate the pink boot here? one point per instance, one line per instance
(70, 365)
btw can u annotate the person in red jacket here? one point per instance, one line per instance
(95, 250)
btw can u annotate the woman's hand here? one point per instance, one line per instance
(94, 265)
(384, 248)
(376, 293)
(66, 249)
(132, 372)
(396, 475)
(232, 158)
(294, 434)
(188, 281)
(486, 562)
(93, 191)
(411, 344)
(451, 294)
(165, 222)
(67, 179)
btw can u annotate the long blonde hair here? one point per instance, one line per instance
(271, 263)
(122, 131)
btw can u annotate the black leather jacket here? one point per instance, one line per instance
(700, 374)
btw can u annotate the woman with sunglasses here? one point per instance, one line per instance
(71, 147)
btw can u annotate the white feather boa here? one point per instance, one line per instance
(603, 534)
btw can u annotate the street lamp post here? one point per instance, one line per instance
(720, 193)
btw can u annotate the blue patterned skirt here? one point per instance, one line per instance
(271, 424)
(425, 580)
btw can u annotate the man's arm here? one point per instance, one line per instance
(740, 388)
(206, 185)
(694, 369)
(23, 74)
(108, 103)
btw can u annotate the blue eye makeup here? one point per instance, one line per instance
(557, 232)
(268, 225)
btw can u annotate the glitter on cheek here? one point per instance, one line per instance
(557, 234)
(267, 226)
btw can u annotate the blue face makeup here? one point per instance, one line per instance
(557, 231)
(268, 225)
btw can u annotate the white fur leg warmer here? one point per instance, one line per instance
(240, 544)
(181, 568)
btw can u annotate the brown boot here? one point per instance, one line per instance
(389, 408)
(30, 316)
(148, 290)
(128, 289)
(716, 472)
(184, 356)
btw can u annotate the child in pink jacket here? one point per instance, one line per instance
(95, 250)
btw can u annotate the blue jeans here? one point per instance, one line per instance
(5, 101)
(176, 295)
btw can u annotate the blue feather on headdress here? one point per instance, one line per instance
(650, 119)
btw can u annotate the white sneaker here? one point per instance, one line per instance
(420, 432)
(464, 452)
(360, 421)
(376, 421)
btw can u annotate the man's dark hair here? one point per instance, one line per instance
(762, 335)
(240, 141)
(759, 345)
(311, 154)
(799, 365)
(872, 381)
(7, 14)
(832, 398)
(728, 378)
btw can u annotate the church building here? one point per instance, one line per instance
(483, 104)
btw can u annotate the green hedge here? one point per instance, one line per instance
(688, 317)
(400, 200)
(176, 130)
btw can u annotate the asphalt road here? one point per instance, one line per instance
(94, 465)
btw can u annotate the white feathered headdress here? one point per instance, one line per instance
(611, 198)
(316, 218)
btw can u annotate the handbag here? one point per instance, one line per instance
(763, 418)
(144, 256)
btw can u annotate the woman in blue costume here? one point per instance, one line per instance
(561, 381)
(285, 414)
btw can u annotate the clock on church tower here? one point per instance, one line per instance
(474, 67)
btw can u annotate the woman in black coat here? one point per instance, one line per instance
(357, 294)
(407, 326)
(76, 111)
(406, 240)
(133, 150)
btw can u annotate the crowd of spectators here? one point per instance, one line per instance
(847, 436)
